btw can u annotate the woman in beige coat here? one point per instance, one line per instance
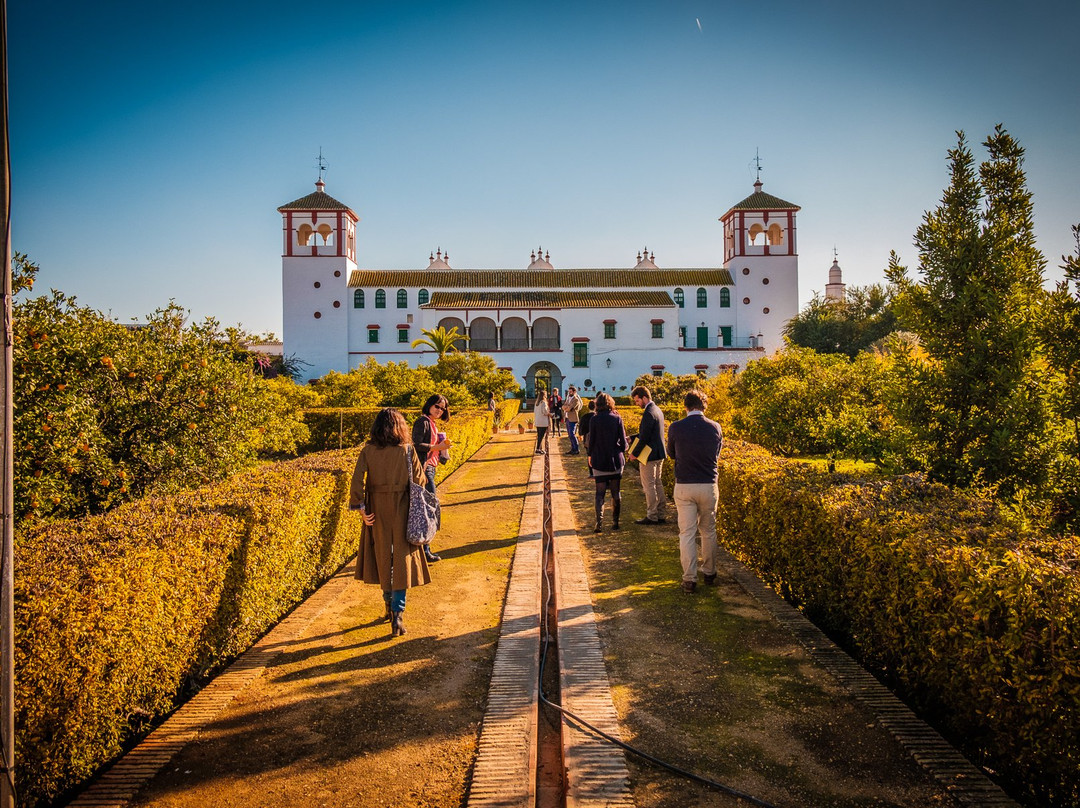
(380, 491)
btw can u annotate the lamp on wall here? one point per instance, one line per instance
(608, 360)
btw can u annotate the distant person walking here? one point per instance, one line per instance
(541, 418)
(555, 405)
(694, 444)
(607, 443)
(652, 454)
(431, 445)
(583, 424)
(571, 407)
(380, 491)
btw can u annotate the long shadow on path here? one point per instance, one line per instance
(346, 716)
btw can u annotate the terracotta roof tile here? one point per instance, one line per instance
(759, 200)
(546, 300)
(548, 279)
(317, 200)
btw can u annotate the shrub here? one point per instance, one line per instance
(972, 618)
(465, 378)
(802, 402)
(342, 427)
(505, 411)
(160, 593)
(105, 414)
(117, 615)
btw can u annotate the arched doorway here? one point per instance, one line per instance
(545, 375)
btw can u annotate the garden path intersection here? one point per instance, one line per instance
(327, 710)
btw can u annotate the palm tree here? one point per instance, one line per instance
(440, 340)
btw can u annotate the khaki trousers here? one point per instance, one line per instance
(655, 498)
(696, 505)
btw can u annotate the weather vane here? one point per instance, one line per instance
(323, 165)
(757, 160)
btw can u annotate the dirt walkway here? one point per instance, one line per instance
(349, 717)
(709, 681)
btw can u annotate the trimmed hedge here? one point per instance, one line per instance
(505, 411)
(343, 427)
(331, 427)
(972, 619)
(121, 616)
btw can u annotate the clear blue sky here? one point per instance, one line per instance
(152, 143)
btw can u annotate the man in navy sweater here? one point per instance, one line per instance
(693, 443)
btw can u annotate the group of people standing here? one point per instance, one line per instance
(392, 458)
(693, 443)
(395, 457)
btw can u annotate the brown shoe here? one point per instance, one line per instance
(689, 586)
(710, 579)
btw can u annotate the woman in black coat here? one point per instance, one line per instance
(607, 443)
(428, 444)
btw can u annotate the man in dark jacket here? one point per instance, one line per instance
(651, 462)
(694, 443)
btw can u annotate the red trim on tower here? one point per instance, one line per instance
(579, 339)
(288, 234)
(340, 236)
(791, 232)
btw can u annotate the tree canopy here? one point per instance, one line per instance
(976, 400)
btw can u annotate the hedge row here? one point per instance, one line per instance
(505, 411)
(343, 427)
(121, 616)
(337, 427)
(972, 619)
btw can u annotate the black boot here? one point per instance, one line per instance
(397, 624)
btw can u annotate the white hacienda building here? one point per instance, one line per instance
(596, 328)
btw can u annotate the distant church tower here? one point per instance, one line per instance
(318, 255)
(834, 289)
(761, 254)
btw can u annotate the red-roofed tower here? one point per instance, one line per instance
(318, 255)
(760, 253)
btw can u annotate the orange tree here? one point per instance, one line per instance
(105, 413)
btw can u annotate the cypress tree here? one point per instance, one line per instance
(981, 396)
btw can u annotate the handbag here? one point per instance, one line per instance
(425, 513)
